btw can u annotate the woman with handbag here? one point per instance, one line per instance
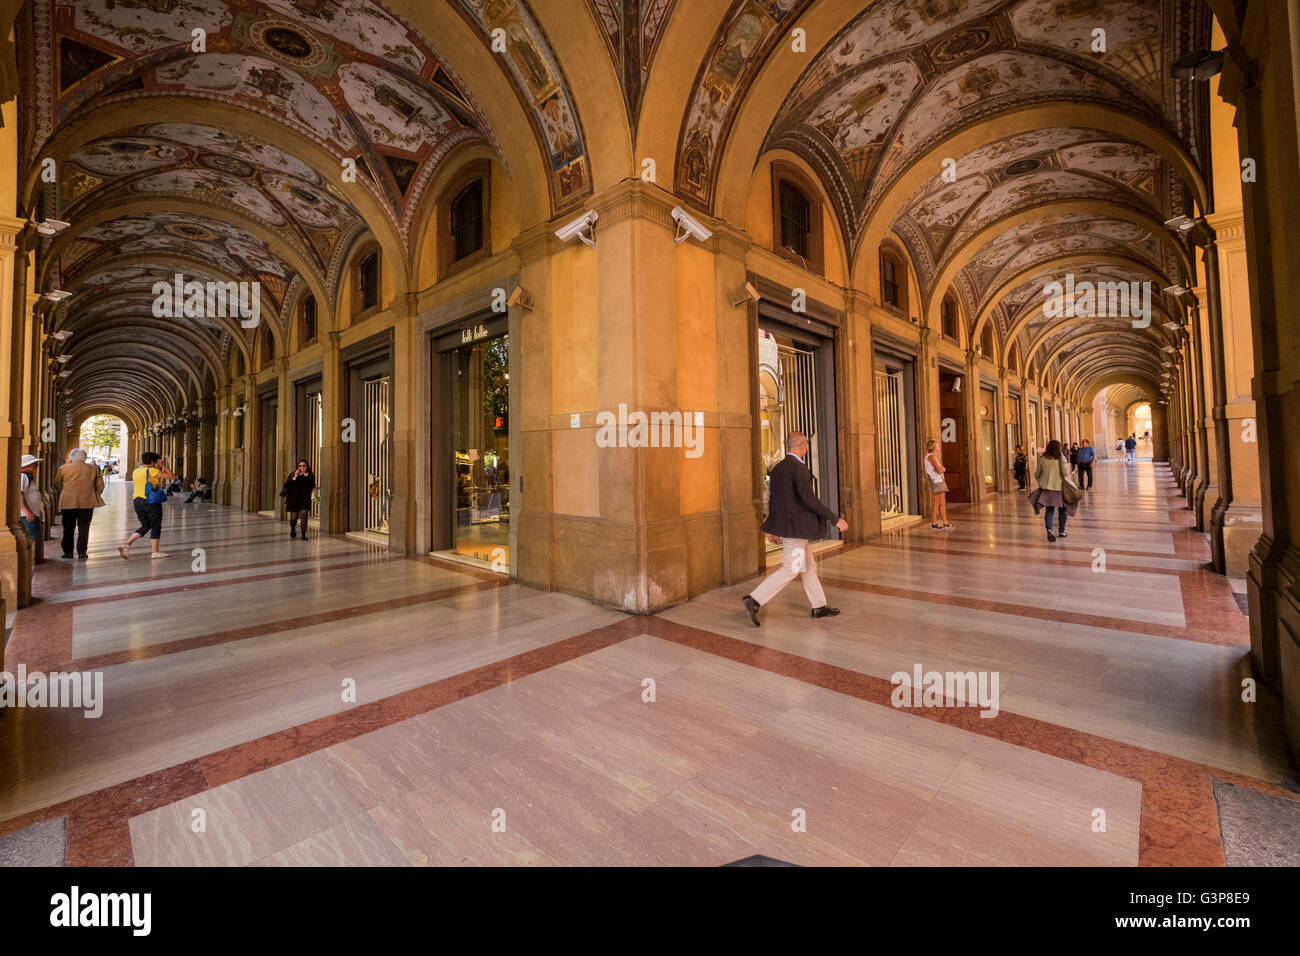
(934, 470)
(297, 497)
(1056, 490)
(149, 498)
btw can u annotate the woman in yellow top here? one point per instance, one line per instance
(150, 479)
(1053, 471)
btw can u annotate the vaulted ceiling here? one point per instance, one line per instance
(1032, 201)
(249, 140)
(999, 143)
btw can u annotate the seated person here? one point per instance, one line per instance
(200, 489)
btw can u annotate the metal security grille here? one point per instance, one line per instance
(376, 450)
(315, 413)
(889, 443)
(799, 398)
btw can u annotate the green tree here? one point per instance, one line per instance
(102, 431)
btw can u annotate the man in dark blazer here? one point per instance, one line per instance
(795, 515)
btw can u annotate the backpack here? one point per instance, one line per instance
(154, 494)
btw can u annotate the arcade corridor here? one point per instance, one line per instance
(557, 325)
(1119, 690)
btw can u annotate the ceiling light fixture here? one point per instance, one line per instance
(1197, 66)
(51, 227)
(58, 295)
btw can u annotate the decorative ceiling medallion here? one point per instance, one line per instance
(190, 230)
(288, 42)
(1042, 163)
(1023, 166)
(953, 49)
(226, 164)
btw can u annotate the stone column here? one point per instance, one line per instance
(333, 491)
(206, 421)
(656, 327)
(1198, 318)
(403, 509)
(1159, 431)
(974, 427)
(860, 469)
(15, 549)
(192, 465)
(1238, 519)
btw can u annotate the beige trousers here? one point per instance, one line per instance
(796, 559)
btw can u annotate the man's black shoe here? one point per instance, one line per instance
(752, 607)
(825, 611)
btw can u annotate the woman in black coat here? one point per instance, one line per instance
(297, 491)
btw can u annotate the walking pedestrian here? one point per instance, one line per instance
(1020, 466)
(149, 479)
(1074, 455)
(1087, 455)
(79, 487)
(29, 497)
(796, 516)
(1051, 478)
(935, 471)
(1130, 446)
(297, 497)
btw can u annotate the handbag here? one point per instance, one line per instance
(154, 494)
(1069, 490)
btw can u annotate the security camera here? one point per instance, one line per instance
(956, 383)
(520, 298)
(747, 293)
(689, 226)
(576, 229)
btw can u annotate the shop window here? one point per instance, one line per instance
(797, 218)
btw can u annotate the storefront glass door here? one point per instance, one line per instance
(480, 427)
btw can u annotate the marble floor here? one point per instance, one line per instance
(280, 702)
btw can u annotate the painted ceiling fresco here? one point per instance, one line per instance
(233, 176)
(632, 29)
(246, 199)
(1017, 173)
(231, 160)
(906, 74)
(542, 89)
